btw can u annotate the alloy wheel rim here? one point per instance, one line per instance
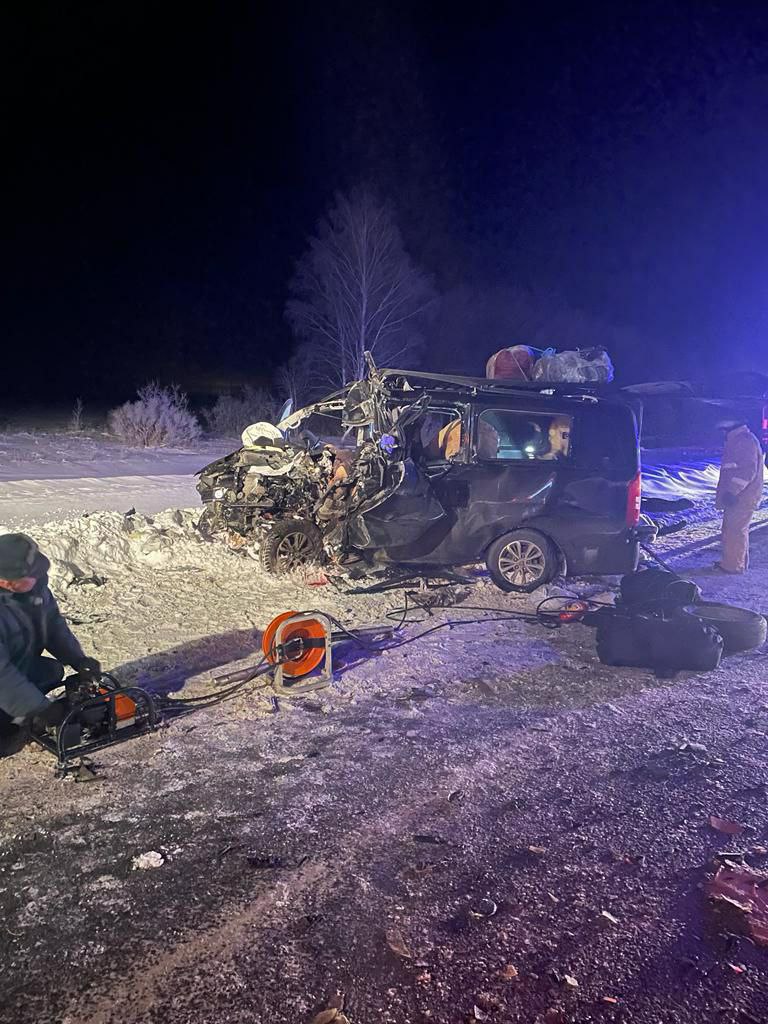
(292, 551)
(521, 562)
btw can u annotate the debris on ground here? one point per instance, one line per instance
(483, 908)
(740, 900)
(397, 944)
(145, 861)
(731, 828)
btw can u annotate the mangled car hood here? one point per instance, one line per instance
(374, 498)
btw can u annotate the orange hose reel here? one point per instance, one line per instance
(303, 643)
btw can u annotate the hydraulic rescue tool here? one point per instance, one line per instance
(98, 714)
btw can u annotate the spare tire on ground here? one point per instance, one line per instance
(740, 628)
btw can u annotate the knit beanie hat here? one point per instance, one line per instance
(17, 556)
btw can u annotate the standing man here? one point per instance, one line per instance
(30, 623)
(739, 491)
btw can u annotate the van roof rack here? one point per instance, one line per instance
(454, 382)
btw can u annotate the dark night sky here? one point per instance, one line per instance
(164, 166)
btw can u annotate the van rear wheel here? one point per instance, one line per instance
(522, 561)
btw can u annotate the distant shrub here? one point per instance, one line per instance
(231, 414)
(158, 418)
(75, 425)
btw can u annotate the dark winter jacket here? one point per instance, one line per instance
(30, 624)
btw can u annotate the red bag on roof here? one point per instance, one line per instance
(514, 363)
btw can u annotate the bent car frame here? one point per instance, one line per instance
(426, 469)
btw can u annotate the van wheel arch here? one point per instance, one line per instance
(523, 560)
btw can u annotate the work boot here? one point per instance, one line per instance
(729, 572)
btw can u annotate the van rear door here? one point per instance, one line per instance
(597, 500)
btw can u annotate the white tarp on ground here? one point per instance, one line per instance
(671, 474)
(674, 473)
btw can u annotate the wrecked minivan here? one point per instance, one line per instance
(534, 479)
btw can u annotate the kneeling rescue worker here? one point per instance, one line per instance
(30, 623)
(739, 492)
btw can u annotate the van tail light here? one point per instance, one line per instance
(634, 492)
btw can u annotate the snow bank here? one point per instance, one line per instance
(109, 543)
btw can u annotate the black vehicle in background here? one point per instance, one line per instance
(533, 479)
(686, 413)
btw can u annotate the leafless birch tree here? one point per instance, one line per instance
(356, 289)
(294, 378)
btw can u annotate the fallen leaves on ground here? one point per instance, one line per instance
(509, 973)
(326, 1016)
(397, 944)
(554, 1016)
(731, 828)
(741, 898)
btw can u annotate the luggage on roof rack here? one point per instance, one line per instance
(482, 385)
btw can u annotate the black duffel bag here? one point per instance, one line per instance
(666, 644)
(652, 590)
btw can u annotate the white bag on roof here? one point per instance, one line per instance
(580, 366)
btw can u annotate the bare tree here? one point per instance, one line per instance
(76, 417)
(356, 289)
(294, 378)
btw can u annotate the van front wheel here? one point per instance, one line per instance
(522, 561)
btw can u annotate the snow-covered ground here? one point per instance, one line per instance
(352, 842)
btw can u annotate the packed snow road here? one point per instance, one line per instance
(44, 476)
(487, 824)
(48, 475)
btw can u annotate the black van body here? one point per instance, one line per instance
(450, 471)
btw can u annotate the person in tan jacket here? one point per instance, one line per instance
(739, 492)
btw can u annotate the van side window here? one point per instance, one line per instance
(504, 434)
(440, 434)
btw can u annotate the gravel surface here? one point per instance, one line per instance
(484, 825)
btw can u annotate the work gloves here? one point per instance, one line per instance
(88, 669)
(53, 715)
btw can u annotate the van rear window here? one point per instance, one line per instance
(606, 439)
(522, 436)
